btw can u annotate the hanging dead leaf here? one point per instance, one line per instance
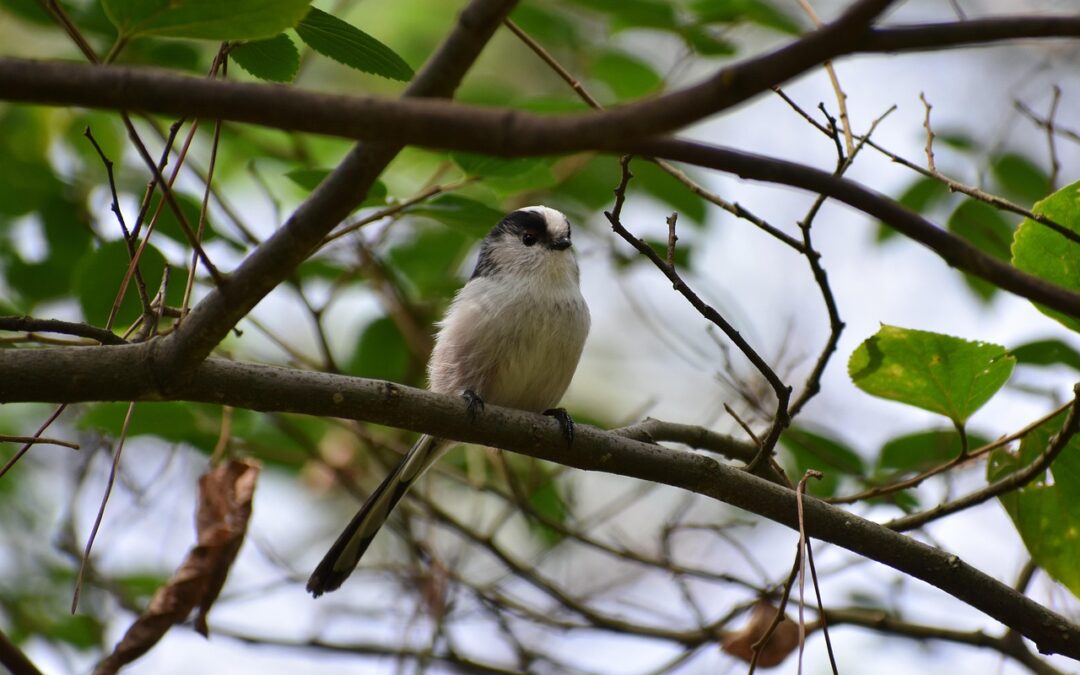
(221, 518)
(783, 641)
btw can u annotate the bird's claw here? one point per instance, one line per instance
(566, 423)
(474, 405)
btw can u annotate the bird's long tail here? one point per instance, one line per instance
(342, 558)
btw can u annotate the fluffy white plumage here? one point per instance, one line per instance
(512, 336)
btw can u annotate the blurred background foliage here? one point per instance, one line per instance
(366, 303)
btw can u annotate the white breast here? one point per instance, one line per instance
(513, 341)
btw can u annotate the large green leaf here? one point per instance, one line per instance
(921, 450)
(988, 230)
(475, 218)
(627, 77)
(1039, 250)
(832, 457)
(921, 195)
(1019, 178)
(381, 353)
(100, 272)
(347, 44)
(1046, 513)
(760, 12)
(1048, 352)
(205, 19)
(274, 59)
(935, 372)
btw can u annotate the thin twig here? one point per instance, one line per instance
(841, 97)
(929, 134)
(101, 509)
(26, 446)
(38, 440)
(1013, 481)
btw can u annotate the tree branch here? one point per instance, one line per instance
(125, 373)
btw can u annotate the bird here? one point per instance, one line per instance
(512, 336)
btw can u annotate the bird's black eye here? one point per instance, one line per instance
(528, 239)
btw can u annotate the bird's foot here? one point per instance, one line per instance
(566, 423)
(474, 405)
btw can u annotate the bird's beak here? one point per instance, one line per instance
(560, 244)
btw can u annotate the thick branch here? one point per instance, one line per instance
(423, 122)
(123, 373)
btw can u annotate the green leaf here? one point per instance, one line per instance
(275, 59)
(309, 179)
(935, 372)
(654, 181)
(988, 230)
(921, 195)
(381, 353)
(169, 225)
(544, 25)
(1045, 513)
(30, 10)
(475, 218)
(205, 19)
(753, 11)
(428, 261)
(706, 43)
(98, 277)
(635, 13)
(173, 421)
(27, 180)
(1048, 352)
(1019, 178)
(545, 499)
(626, 76)
(682, 251)
(347, 44)
(497, 167)
(832, 457)
(917, 452)
(1038, 250)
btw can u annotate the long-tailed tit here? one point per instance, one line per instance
(512, 337)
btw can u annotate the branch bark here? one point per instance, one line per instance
(126, 373)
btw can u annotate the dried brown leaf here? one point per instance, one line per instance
(783, 641)
(224, 508)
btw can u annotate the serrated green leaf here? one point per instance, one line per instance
(1047, 515)
(275, 59)
(347, 44)
(1019, 178)
(987, 229)
(759, 12)
(626, 76)
(832, 457)
(381, 353)
(205, 19)
(1049, 352)
(940, 373)
(1039, 250)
